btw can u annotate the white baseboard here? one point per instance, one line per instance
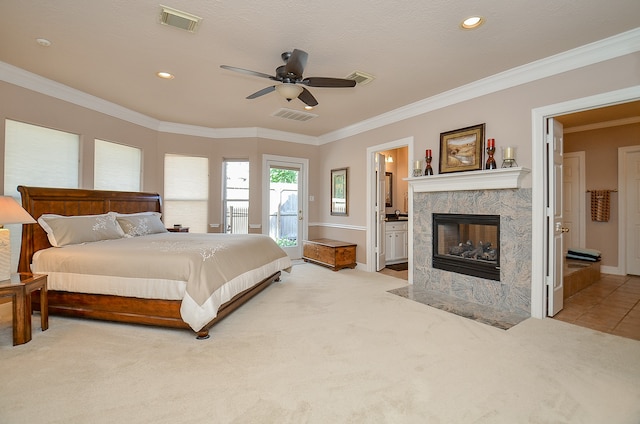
(614, 270)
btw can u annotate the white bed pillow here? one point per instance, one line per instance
(140, 224)
(63, 230)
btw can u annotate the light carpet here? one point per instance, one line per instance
(320, 347)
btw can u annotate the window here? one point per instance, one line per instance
(186, 192)
(116, 166)
(236, 196)
(41, 157)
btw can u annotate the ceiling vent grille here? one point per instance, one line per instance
(361, 78)
(178, 19)
(294, 115)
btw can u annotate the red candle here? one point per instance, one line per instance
(428, 153)
(491, 142)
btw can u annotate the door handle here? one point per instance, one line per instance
(560, 228)
(564, 230)
(300, 215)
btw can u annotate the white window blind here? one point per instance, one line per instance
(116, 166)
(41, 157)
(186, 192)
(38, 156)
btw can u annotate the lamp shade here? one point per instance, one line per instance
(12, 213)
(289, 91)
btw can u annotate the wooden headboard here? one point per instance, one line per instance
(67, 201)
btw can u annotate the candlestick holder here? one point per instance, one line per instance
(427, 169)
(491, 162)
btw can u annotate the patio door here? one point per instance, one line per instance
(284, 206)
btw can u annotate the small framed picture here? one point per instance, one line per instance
(461, 150)
(339, 199)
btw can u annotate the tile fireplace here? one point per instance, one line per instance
(506, 206)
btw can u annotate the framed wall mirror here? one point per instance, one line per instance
(339, 192)
(388, 189)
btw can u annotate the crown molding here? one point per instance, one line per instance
(608, 48)
(249, 132)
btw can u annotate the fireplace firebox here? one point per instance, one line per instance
(467, 244)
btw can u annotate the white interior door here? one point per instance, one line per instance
(555, 229)
(380, 212)
(573, 199)
(632, 183)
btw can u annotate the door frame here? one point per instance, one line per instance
(303, 198)
(538, 172)
(371, 199)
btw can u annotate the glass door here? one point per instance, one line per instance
(286, 216)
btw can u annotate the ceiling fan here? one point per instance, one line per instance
(291, 79)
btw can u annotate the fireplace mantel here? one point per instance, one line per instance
(495, 179)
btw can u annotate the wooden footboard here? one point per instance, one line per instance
(162, 313)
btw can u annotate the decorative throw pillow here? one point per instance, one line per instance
(63, 230)
(141, 224)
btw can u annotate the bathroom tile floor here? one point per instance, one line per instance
(610, 305)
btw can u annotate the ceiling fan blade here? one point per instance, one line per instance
(307, 98)
(247, 72)
(262, 92)
(297, 62)
(328, 82)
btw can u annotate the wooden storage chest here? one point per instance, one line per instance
(330, 253)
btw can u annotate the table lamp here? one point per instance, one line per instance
(10, 213)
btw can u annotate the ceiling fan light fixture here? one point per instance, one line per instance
(289, 91)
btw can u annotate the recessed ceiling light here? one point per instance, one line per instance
(43, 42)
(472, 22)
(165, 75)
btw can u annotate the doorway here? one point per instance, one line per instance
(284, 204)
(542, 277)
(375, 214)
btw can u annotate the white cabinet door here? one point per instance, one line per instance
(397, 245)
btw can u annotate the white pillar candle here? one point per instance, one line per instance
(508, 153)
(418, 165)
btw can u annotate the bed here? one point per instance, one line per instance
(199, 279)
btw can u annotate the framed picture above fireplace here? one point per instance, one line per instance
(461, 150)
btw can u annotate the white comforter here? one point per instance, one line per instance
(205, 270)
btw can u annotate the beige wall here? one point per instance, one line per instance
(507, 114)
(27, 106)
(601, 171)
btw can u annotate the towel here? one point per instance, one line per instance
(583, 258)
(600, 205)
(584, 251)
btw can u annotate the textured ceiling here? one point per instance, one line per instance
(414, 48)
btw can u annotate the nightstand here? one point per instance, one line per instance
(19, 288)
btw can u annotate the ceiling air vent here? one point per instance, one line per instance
(294, 115)
(361, 78)
(178, 19)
